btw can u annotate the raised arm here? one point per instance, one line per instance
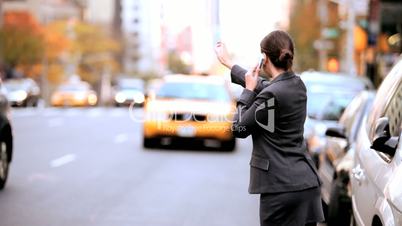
(237, 73)
(253, 113)
(252, 108)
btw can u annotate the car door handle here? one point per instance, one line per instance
(358, 173)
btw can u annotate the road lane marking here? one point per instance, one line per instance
(120, 138)
(40, 177)
(22, 113)
(62, 160)
(94, 112)
(47, 112)
(118, 113)
(72, 112)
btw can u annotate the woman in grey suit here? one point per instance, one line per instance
(273, 112)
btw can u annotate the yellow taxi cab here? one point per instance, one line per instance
(190, 107)
(74, 94)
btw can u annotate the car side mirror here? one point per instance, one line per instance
(383, 142)
(338, 132)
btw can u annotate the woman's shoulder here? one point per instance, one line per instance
(270, 88)
(267, 92)
(283, 87)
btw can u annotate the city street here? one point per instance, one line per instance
(86, 166)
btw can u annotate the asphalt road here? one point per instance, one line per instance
(84, 167)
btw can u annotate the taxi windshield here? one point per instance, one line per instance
(188, 90)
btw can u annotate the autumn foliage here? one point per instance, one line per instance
(26, 45)
(21, 40)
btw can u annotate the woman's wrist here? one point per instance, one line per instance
(250, 88)
(228, 64)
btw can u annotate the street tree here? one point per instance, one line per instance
(21, 41)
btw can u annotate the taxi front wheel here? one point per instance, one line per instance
(150, 142)
(228, 145)
(4, 163)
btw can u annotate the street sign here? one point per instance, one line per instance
(323, 44)
(329, 33)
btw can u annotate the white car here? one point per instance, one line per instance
(376, 177)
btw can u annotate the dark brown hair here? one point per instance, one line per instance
(278, 46)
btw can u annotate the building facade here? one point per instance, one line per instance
(141, 31)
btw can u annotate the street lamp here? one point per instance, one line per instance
(1, 13)
(44, 76)
(350, 46)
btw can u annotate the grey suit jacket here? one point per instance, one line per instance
(274, 116)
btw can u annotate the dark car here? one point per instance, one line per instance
(336, 161)
(6, 137)
(328, 95)
(22, 92)
(129, 91)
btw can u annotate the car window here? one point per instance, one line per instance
(388, 88)
(14, 86)
(394, 112)
(73, 88)
(324, 105)
(351, 113)
(188, 90)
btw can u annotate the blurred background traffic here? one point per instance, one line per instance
(116, 112)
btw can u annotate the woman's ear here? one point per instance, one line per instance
(267, 66)
(263, 60)
(267, 62)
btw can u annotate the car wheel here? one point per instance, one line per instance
(340, 206)
(149, 142)
(228, 145)
(4, 164)
(25, 103)
(34, 102)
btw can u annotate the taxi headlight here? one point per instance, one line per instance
(92, 99)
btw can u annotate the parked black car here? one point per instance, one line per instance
(336, 161)
(6, 137)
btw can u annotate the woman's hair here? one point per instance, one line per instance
(278, 46)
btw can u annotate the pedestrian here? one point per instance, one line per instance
(273, 111)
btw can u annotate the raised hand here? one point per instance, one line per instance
(223, 55)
